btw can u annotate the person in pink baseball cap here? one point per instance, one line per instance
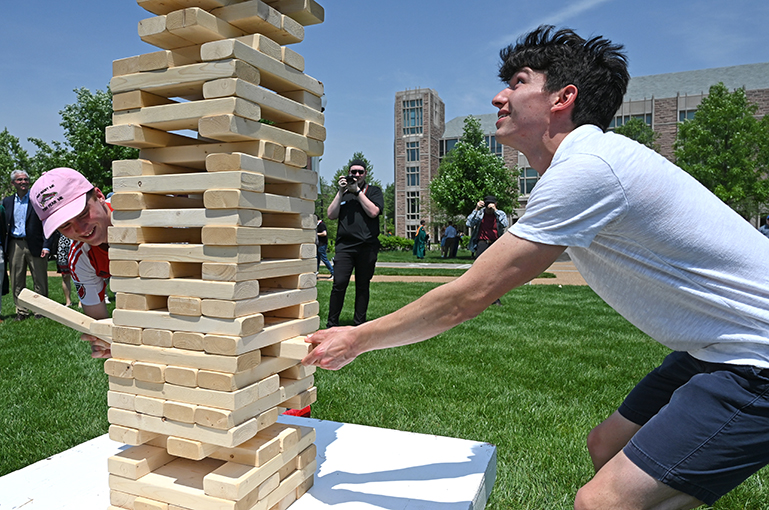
(65, 201)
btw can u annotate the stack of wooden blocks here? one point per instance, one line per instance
(213, 257)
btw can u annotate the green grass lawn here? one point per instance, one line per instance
(531, 377)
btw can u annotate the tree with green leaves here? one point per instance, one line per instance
(638, 130)
(725, 148)
(389, 212)
(469, 172)
(12, 157)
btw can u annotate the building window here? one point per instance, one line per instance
(527, 180)
(685, 115)
(412, 151)
(412, 117)
(621, 120)
(412, 206)
(494, 147)
(446, 145)
(412, 176)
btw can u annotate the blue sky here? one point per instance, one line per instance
(367, 51)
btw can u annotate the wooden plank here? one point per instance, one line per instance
(274, 106)
(122, 500)
(150, 406)
(302, 399)
(166, 6)
(275, 75)
(231, 128)
(194, 156)
(139, 235)
(185, 253)
(265, 202)
(240, 326)
(121, 400)
(132, 336)
(292, 348)
(275, 330)
(149, 504)
(306, 128)
(222, 400)
(137, 99)
(304, 97)
(122, 368)
(185, 115)
(137, 201)
(101, 328)
(221, 381)
(187, 217)
(126, 268)
(306, 12)
(164, 269)
(265, 302)
(231, 236)
(262, 43)
(179, 411)
(295, 157)
(139, 137)
(154, 31)
(130, 435)
(273, 172)
(288, 57)
(257, 270)
(198, 26)
(184, 358)
(57, 312)
(165, 59)
(254, 452)
(149, 372)
(185, 81)
(127, 301)
(184, 305)
(227, 438)
(255, 16)
(157, 337)
(137, 167)
(127, 65)
(182, 376)
(189, 183)
(226, 419)
(189, 449)
(298, 371)
(189, 340)
(187, 287)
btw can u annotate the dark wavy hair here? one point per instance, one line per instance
(596, 67)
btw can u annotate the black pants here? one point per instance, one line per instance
(362, 259)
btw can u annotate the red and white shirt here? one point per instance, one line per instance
(89, 266)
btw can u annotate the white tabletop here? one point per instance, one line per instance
(359, 467)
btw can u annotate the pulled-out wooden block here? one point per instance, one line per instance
(274, 331)
(293, 348)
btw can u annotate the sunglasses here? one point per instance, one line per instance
(357, 172)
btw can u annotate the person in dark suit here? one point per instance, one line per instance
(25, 244)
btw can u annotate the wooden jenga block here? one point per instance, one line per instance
(187, 217)
(221, 381)
(154, 31)
(121, 400)
(302, 400)
(138, 461)
(198, 26)
(273, 332)
(119, 499)
(142, 302)
(185, 81)
(288, 57)
(240, 326)
(189, 449)
(157, 337)
(182, 376)
(298, 311)
(306, 12)
(183, 305)
(137, 167)
(264, 303)
(297, 371)
(149, 504)
(274, 106)
(304, 97)
(265, 202)
(177, 116)
(256, 270)
(254, 452)
(255, 16)
(137, 99)
(261, 42)
(290, 251)
(140, 137)
(101, 328)
(305, 128)
(128, 65)
(139, 235)
(150, 406)
(275, 75)
(293, 348)
(138, 201)
(232, 128)
(169, 58)
(226, 419)
(236, 236)
(290, 388)
(299, 281)
(166, 6)
(219, 162)
(130, 435)
(149, 372)
(295, 157)
(189, 340)
(231, 363)
(126, 268)
(189, 183)
(119, 368)
(124, 335)
(179, 411)
(188, 253)
(287, 436)
(185, 287)
(165, 269)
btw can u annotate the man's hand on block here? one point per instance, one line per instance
(99, 348)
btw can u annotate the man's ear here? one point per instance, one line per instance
(565, 98)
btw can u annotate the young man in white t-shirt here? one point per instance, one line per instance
(67, 202)
(696, 426)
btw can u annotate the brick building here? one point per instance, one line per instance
(662, 101)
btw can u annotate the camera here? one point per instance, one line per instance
(351, 181)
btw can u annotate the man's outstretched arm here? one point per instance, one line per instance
(508, 263)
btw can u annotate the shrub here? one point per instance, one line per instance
(395, 243)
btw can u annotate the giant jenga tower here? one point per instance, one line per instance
(213, 257)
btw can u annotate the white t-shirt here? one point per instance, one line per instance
(656, 245)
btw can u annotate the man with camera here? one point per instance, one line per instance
(487, 222)
(357, 205)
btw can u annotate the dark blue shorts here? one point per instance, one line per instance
(705, 426)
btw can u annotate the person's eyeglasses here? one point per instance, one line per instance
(357, 172)
(22, 179)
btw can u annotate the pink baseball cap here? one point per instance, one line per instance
(58, 196)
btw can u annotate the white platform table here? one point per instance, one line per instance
(358, 468)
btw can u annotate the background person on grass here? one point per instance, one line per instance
(358, 206)
(66, 201)
(420, 239)
(696, 426)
